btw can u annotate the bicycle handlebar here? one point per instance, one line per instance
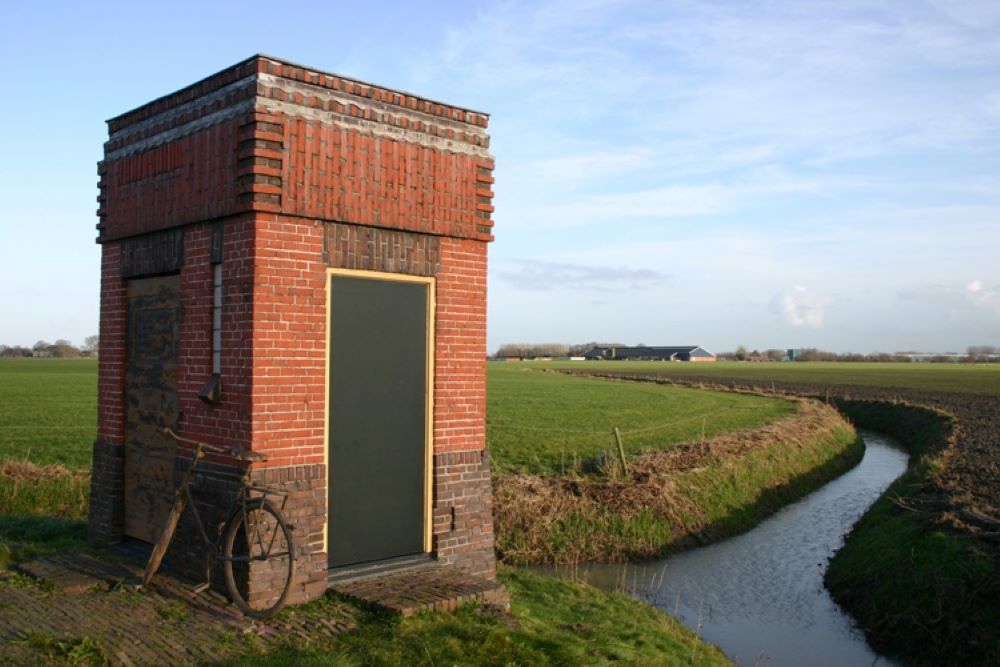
(240, 453)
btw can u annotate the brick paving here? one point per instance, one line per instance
(425, 589)
(71, 597)
(78, 597)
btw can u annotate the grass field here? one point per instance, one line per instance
(552, 622)
(48, 411)
(548, 423)
(961, 378)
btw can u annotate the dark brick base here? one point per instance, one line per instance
(463, 512)
(463, 516)
(107, 492)
(216, 486)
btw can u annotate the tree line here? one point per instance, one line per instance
(536, 350)
(973, 354)
(62, 349)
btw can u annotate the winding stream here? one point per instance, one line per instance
(760, 596)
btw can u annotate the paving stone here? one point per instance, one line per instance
(424, 589)
(74, 573)
(163, 624)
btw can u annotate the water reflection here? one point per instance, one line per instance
(760, 595)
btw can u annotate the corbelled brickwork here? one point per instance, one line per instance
(299, 171)
(274, 137)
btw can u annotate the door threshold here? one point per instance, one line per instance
(338, 575)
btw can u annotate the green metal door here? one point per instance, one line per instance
(378, 406)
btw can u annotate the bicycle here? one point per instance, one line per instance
(255, 534)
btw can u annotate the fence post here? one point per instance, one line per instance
(621, 451)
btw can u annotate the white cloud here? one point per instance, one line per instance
(973, 298)
(801, 307)
(542, 276)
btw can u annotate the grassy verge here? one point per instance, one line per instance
(672, 498)
(552, 622)
(547, 423)
(42, 509)
(952, 616)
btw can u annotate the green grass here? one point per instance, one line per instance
(48, 411)
(965, 378)
(63, 494)
(75, 651)
(553, 622)
(547, 422)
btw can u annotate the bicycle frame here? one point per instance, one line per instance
(184, 498)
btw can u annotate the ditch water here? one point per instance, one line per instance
(760, 596)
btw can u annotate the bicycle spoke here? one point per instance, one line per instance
(259, 569)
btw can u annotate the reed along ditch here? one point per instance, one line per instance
(759, 595)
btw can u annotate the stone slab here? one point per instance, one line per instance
(411, 591)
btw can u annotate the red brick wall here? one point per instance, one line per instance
(289, 340)
(228, 421)
(111, 355)
(460, 347)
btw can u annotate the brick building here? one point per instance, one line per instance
(295, 262)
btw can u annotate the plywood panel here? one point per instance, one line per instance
(154, 311)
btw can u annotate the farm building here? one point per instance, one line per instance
(651, 353)
(294, 262)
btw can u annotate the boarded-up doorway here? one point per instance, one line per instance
(379, 417)
(150, 402)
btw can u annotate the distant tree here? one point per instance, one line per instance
(64, 349)
(980, 353)
(741, 353)
(41, 345)
(90, 343)
(774, 354)
(812, 354)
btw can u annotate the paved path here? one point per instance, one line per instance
(164, 624)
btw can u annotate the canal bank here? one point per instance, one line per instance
(673, 499)
(759, 595)
(917, 582)
(921, 571)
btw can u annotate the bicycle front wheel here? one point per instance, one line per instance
(259, 558)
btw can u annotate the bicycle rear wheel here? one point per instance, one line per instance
(259, 543)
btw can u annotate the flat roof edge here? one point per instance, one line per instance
(282, 61)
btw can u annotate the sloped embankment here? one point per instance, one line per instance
(674, 498)
(921, 570)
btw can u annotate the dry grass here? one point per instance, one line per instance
(671, 497)
(29, 489)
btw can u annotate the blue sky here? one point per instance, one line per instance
(773, 174)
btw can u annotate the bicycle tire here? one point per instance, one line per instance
(269, 546)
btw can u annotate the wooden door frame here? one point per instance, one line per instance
(430, 284)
